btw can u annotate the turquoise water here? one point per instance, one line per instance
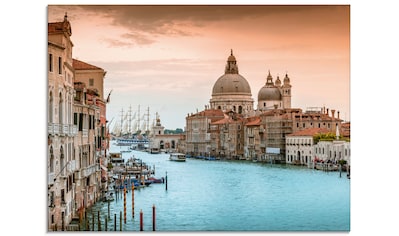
(233, 196)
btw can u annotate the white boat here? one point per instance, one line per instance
(177, 156)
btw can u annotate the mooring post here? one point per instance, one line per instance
(115, 222)
(153, 217)
(141, 220)
(124, 204)
(120, 221)
(99, 221)
(166, 181)
(106, 223)
(133, 200)
(92, 221)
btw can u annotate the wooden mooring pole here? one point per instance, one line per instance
(166, 181)
(153, 217)
(133, 200)
(124, 204)
(120, 221)
(141, 220)
(99, 221)
(114, 222)
(106, 223)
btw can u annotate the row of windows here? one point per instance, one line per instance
(80, 118)
(319, 125)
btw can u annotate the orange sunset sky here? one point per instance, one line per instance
(168, 57)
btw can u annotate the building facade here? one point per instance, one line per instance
(161, 142)
(76, 131)
(61, 129)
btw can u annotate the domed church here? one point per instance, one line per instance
(232, 91)
(274, 95)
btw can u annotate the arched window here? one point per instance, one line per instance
(240, 109)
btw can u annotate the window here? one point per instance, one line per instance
(51, 160)
(50, 62)
(51, 200)
(91, 82)
(62, 196)
(60, 65)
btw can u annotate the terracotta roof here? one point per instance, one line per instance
(253, 122)
(310, 132)
(55, 27)
(80, 65)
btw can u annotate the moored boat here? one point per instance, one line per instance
(177, 157)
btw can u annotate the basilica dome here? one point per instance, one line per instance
(231, 84)
(231, 91)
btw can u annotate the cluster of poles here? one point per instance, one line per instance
(91, 227)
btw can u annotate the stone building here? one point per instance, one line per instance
(253, 138)
(300, 146)
(198, 140)
(61, 129)
(76, 130)
(161, 142)
(227, 137)
(90, 143)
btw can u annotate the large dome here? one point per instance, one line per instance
(231, 84)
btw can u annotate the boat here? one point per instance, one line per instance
(326, 166)
(157, 181)
(177, 157)
(108, 197)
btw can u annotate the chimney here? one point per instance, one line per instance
(332, 113)
(338, 114)
(327, 111)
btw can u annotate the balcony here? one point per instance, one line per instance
(64, 129)
(53, 128)
(89, 170)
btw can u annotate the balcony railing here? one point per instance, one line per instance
(89, 170)
(62, 129)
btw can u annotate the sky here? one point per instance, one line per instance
(166, 58)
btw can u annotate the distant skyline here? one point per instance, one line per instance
(168, 57)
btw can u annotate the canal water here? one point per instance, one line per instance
(206, 195)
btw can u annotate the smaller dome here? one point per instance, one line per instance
(269, 94)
